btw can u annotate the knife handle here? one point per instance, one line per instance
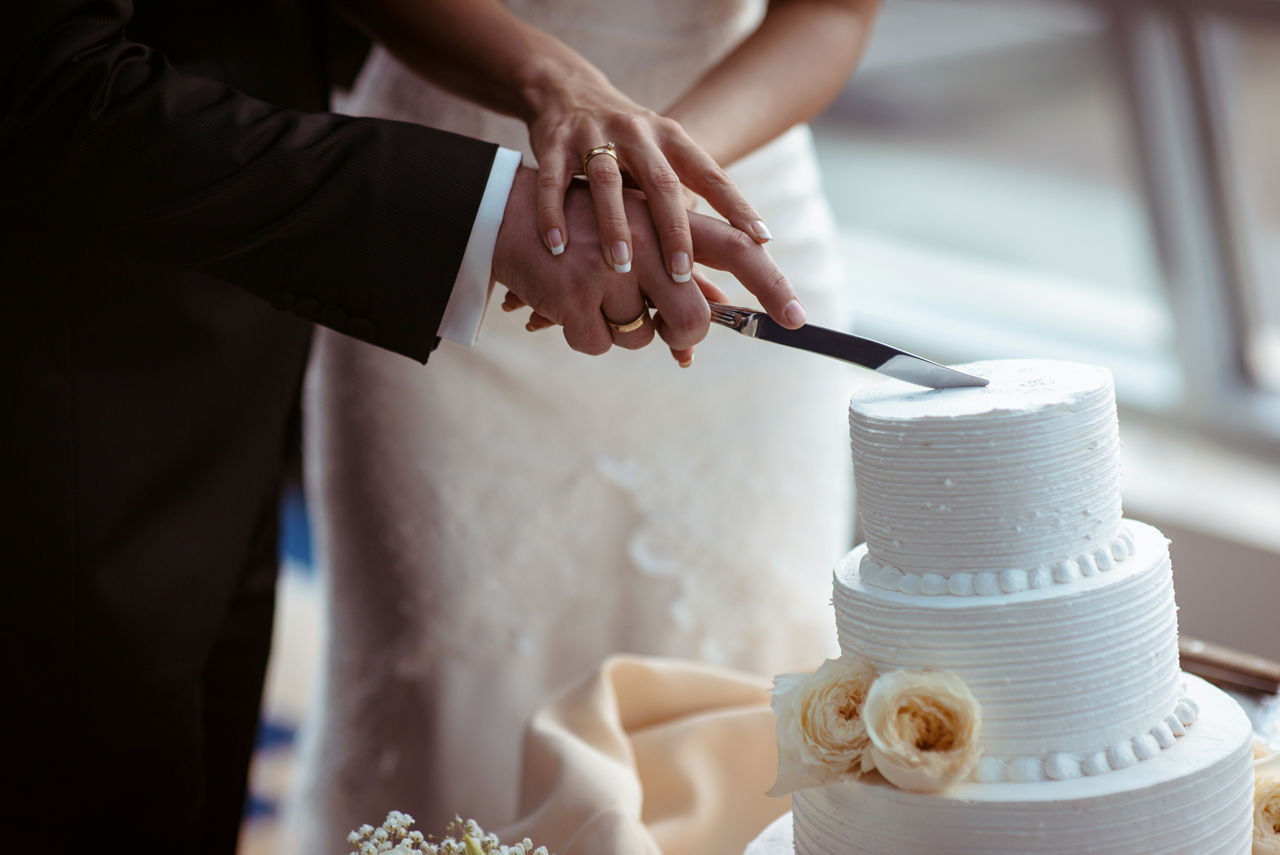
(734, 317)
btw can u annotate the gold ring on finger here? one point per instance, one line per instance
(630, 325)
(608, 148)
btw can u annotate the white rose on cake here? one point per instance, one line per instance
(1266, 816)
(923, 726)
(821, 735)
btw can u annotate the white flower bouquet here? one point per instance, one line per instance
(463, 837)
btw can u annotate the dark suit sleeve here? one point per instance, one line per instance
(359, 224)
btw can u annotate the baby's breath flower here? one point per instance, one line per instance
(463, 837)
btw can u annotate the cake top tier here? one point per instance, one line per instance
(1017, 475)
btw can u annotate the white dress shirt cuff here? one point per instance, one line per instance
(465, 310)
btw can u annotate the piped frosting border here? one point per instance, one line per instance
(988, 583)
(1065, 766)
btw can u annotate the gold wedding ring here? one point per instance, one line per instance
(631, 325)
(608, 148)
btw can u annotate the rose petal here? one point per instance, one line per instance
(821, 736)
(905, 707)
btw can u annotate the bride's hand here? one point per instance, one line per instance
(652, 152)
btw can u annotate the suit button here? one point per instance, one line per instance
(282, 300)
(307, 308)
(360, 328)
(334, 318)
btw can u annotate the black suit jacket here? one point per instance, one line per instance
(170, 202)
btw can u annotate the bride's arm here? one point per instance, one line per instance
(481, 51)
(786, 72)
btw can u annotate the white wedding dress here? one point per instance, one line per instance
(494, 524)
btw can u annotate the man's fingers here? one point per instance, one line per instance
(512, 301)
(719, 245)
(684, 311)
(626, 314)
(709, 289)
(587, 332)
(538, 322)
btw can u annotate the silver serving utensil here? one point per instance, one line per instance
(850, 348)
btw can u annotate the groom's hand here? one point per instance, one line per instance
(581, 291)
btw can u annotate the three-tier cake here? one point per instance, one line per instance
(996, 552)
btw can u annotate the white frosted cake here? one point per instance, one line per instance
(996, 553)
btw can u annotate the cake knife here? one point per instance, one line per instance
(844, 346)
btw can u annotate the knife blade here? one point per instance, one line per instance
(866, 352)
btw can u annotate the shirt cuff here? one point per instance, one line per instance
(470, 296)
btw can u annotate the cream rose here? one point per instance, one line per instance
(821, 736)
(923, 726)
(1266, 816)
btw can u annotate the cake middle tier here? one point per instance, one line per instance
(1063, 672)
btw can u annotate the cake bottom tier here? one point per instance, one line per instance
(1195, 798)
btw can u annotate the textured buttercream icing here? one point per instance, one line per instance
(996, 551)
(1070, 669)
(1011, 478)
(1193, 799)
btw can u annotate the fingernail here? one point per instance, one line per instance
(621, 257)
(794, 313)
(687, 362)
(761, 230)
(681, 271)
(508, 308)
(529, 326)
(555, 241)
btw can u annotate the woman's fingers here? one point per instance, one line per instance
(604, 177)
(553, 180)
(648, 167)
(705, 177)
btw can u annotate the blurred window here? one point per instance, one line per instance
(1245, 58)
(981, 169)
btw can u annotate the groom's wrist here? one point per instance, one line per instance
(470, 296)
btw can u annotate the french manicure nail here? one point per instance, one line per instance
(687, 362)
(555, 241)
(681, 270)
(761, 230)
(794, 313)
(621, 257)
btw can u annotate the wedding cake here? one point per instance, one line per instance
(1009, 678)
